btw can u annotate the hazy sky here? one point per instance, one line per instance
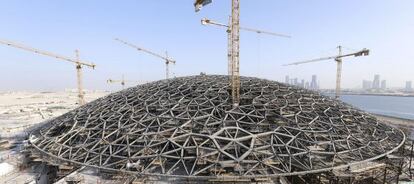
(317, 27)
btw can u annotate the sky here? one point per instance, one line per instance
(317, 27)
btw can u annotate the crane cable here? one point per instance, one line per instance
(258, 56)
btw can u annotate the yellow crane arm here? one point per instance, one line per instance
(206, 21)
(363, 52)
(168, 60)
(45, 53)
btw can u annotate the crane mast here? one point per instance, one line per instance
(78, 63)
(338, 73)
(229, 47)
(234, 28)
(338, 60)
(235, 52)
(165, 58)
(233, 36)
(79, 79)
(167, 70)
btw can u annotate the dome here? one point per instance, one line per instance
(187, 127)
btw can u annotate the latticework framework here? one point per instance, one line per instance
(188, 127)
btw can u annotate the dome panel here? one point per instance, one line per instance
(187, 127)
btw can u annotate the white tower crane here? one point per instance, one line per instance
(338, 59)
(78, 63)
(165, 58)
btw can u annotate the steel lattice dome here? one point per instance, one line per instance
(187, 127)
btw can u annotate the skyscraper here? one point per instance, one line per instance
(287, 81)
(314, 83)
(383, 84)
(366, 84)
(376, 82)
(307, 85)
(408, 86)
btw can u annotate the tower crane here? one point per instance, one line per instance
(206, 21)
(234, 46)
(78, 63)
(122, 81)
(338, 59)
(165, 58)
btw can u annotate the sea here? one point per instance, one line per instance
(396, 106)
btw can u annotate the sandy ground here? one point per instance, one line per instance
(22, 109)
(396, 121)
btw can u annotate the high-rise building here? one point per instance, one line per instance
(366, 84)
(376, 82)
(302, 83)
(314, 83)
(307, 85)
(408, 86)
(383, 84)
(287, 81)
(295, 81)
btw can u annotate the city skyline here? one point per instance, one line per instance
(380, 83)
(366, 84)
(313, 84)
(62, 27)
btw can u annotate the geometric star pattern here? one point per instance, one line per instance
(187, 127)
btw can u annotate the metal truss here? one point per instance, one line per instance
(187, 127)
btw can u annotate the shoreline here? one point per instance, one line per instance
(372, 94)
(392, 117)
(406, 124)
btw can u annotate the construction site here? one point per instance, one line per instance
(206, 128)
